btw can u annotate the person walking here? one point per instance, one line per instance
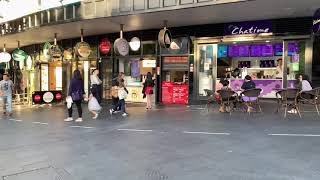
(96, 85)
(122, 95)
(76, 92)
(114, 93)
(148, 86)
(6, 90)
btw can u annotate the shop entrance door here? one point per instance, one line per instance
(206, 64)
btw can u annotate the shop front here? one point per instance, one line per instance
(273, 61)
(135, 66)
(175, 74)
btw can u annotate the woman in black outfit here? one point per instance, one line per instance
(148, 86)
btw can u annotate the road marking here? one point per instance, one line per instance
(207, 133)
(135, 130)
(16, 120)
(40, 123)
(85, 127)
(296, 135)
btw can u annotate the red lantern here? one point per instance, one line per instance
(105, 46)
(37, 98)
(58, 96)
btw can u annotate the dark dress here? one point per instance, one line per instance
(76, 85)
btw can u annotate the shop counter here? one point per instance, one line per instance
(135, 94)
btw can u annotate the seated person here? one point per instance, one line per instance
(225, 86)
(304, 86)
(248, 84)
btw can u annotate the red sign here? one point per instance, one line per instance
(176, 60)
(58, 96)
(105, 46)
(174, 93)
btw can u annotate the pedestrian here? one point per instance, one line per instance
(94, 106)
(248, 84)
(147, 91)
(96, 85)
(76, 92)
(114, 93)
(6, 91)
(225, 87)
(122, 95)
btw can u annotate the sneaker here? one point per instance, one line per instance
(68, 119)
(293, 111)
(111, 111)
(79, 120)
(115, 112)
(95, 116)
(125, 114)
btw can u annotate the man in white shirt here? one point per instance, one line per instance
(6, 90)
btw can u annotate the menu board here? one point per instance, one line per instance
(255, 51)
(278, 49)
(167, 92)
(293, 48)
(243, 51)
(174, 93)
(233, 51)
(180, 94)
(267, 50)
(222, 51)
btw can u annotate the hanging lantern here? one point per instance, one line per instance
(105, 46)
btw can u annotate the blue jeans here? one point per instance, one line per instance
(122, 105)
(5, 100)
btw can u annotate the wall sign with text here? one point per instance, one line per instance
(316, 22)
(255, 27)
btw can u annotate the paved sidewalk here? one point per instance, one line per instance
(166, 143)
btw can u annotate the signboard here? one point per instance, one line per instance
(105, 46)
(5, 57)
(149, 63)
(174, 93)
(83, 49)
(316, 22)
(164, 38)
(55, 53)
(19, 55)
(46, 97)
(244, 28)
(121, 47)
(135, 44)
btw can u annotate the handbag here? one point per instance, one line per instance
(77, 96)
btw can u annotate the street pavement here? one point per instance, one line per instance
(166, 143)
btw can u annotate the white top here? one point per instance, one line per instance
(306, 86)
(95, 80)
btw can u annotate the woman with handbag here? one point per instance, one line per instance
(148, 86)
(76, 92)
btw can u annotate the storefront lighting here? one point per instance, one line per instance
(234, 42)
(267, 41)
(135, 44)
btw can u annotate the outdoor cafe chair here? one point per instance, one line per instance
(311, 97)
(210, 98)
(228, 98)
(288, 98)
(253, 98)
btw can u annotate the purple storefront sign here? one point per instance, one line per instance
(255, 27)
(316, 22)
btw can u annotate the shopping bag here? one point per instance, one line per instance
(93, 104)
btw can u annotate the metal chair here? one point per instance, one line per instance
(228, 98)
(210, 98)
(310, 97)
(253, 95)
(288, 98)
